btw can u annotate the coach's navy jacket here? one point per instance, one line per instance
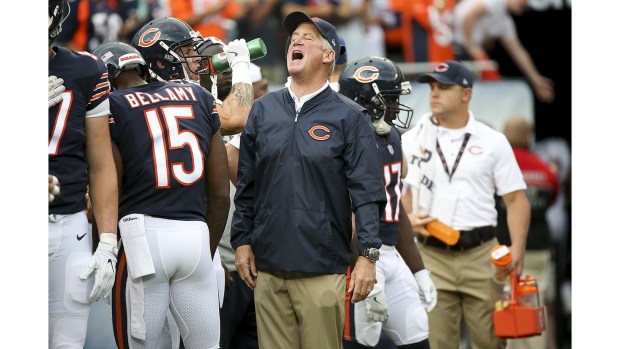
(298, 177)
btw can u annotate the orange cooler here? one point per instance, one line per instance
(523, 317)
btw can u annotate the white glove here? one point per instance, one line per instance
(237, 52)
(103, 263)
(55, 89)
(376, 304)
(426, 288)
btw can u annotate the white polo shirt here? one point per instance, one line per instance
(487, 166)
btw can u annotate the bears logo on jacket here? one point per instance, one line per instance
(324, 130)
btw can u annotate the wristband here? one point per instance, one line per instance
(108, 238)
(241, 73)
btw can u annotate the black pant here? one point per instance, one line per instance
(238, 316)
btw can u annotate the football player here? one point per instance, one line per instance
(404, 288)
(172, 171)
(80, 154)
(169, 47)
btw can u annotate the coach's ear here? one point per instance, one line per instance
(329, 56)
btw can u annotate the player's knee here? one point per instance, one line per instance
(69, 333)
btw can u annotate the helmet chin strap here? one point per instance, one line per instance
(155, 76)
(381, 127)
(213, 78)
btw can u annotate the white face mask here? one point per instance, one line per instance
(381, 127)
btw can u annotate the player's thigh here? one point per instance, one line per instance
(69, 251)
(193, 285)
(408, 321)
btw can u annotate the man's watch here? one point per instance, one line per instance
(372, 254)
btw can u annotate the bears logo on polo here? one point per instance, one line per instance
(317, 135)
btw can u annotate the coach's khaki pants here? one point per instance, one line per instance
(465, 289)
(299, 310)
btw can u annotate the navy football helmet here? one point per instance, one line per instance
(376, 84)
(119, 57)
(161, 40)
(211, 46)
(55, 11)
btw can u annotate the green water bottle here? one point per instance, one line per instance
(257, 50)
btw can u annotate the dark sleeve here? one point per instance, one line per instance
(367, 216)
(243, 217)
(364, 179)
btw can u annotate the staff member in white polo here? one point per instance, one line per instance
(457, 164)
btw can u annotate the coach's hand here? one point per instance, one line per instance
(377, 305)
(427, 290)
(363, 279)
(103, 263)
(246, 265)
(55, 89)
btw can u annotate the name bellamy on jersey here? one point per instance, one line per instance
(183, 93)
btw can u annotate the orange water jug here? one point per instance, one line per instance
(523, 316)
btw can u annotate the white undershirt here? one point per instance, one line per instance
(299, 102)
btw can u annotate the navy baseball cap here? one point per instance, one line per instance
(342, 58)
(450, 73)
(294, 19)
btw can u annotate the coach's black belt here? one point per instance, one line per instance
(468, 239)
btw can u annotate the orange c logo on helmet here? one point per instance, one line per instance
(144, 43)
(322, 128)
(367, 68)
(442, 67)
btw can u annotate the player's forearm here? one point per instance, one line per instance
(217, 190)
(518, 219)
(405, 245)
(103, 193)
(103, 187)
(236, 108)
(233, 163)
(217, 214)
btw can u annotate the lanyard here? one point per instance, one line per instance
(458, 157)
